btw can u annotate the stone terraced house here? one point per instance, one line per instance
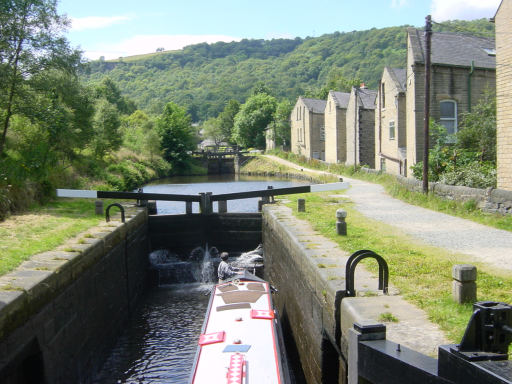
(503, 20)
(390, 123)
(307, 128)
(463, 68)
(361, 127)
(335, 116)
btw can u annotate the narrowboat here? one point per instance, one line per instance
(241, 340)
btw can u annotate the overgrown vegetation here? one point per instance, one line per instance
(58, 132)
(421, 273)
(469, 157)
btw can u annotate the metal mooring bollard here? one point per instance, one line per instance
(98, 207)
(464, 283)
(301, 205)
(341, 224)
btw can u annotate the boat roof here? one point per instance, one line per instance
(239, 341)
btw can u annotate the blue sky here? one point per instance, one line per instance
(114, 28)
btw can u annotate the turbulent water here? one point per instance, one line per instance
(160, 342)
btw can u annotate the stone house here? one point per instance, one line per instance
(463, 68)
(307, 128)
(390, 123)
(503, 20)
(270, 140)
(361, 127)
(335, 116)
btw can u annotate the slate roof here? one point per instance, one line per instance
(314, 105)
(367, 98)
(399, 76)
(453, 49)
(340, 98)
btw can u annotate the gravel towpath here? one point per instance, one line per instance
(481, 243)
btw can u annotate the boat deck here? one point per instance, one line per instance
(239, 341)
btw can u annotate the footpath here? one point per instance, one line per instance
(478, 242)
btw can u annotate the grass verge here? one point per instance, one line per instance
(43, 229)
(421, 273)
(466, 210)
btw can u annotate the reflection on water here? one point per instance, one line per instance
(159, 344)
(217, 184)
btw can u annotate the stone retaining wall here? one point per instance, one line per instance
(62, 311)
(488, 200)
(309, 272)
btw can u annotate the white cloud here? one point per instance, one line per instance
(399, 3)
(142, 44)
(463, 9)
(95, 22)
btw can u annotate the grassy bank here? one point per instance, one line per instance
(467, 210)
(421, 273)
(43, 229)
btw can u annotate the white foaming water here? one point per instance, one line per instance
(207, 270)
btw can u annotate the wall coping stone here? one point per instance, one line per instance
(35, 282)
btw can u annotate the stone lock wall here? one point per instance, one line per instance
(61, 312)
(306, 301)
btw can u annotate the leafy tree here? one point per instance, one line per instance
(110, 91)
(30, 41)
(177, 137)
(227, 118)
(213, 130)
(282, 123)
(139, 133)
(252, 120)
(478, 129)
(106, 124)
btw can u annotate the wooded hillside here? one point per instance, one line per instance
(203, 77)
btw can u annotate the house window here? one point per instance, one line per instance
(322, 133)
(391, 130)
(383, 164)
(383, 93)
(448, 109)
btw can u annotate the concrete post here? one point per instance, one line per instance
(98, 207)
(301, 205)
(223, 206)
(341, 225)
(188, 207)
(464, 283)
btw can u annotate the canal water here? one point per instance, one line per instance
(160, 341)
(217, 184)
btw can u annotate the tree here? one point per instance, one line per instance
(107, 137)
(282, 133)
(252, 120)
(227, 118)
(478, 129)
(213, 131)
(177, 137)
(30, 41)
(110, 91)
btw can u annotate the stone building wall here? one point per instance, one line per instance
(503, 22)
(387, 153)
(335, 132)
(447, 83)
